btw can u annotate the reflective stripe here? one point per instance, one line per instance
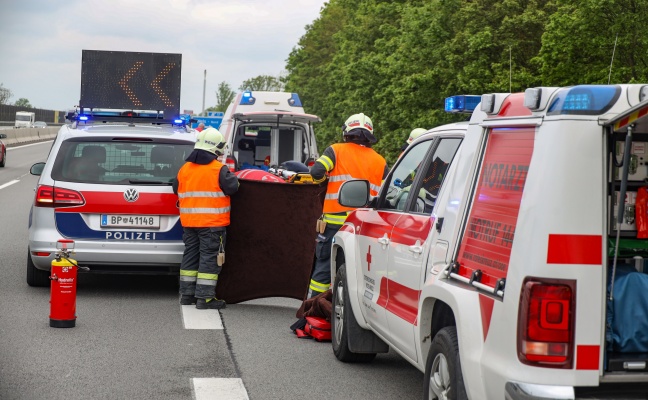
(221, 210)
(326, 162)
(206, 282)
(375, 188)
(201, 194)
(338, 178)
(207, 276)
(188, 272)
(335, 219)
(185, 278)
(331, 196)
(319, 287)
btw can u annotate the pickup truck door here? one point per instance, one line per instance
(410, 245)
(375, 236)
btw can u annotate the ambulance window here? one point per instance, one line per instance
(435, 170)
(399, 181)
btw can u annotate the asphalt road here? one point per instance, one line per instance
(130, 340)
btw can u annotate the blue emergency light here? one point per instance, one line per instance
(584, 100)
(294, 100)
(247, 98)
(461, 103)
(83, 117)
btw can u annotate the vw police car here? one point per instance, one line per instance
(107, 186)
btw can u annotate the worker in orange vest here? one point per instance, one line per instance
(204, 186)
(340, 162)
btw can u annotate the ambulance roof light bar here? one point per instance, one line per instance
(492, 103)
(462, 103)
(584, 100)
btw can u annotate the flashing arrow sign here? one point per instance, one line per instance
(129, 80)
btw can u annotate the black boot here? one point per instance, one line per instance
(210, 304)
(187, 299)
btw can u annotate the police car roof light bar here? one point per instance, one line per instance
(462, 103)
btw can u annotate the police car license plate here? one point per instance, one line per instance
(130, 221)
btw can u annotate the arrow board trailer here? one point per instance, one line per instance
(131, 81)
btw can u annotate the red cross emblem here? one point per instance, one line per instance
(369, 259)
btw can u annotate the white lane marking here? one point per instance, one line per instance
(9, 183)
(219, 389)
(194, 318)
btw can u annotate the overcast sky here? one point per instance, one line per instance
(234, 40)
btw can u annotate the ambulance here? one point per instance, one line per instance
(504, 255)
(264, 129)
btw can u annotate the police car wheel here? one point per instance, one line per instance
(340, 320)
(443, 377)
(35, 276)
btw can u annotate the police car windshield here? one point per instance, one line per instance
(120, 163)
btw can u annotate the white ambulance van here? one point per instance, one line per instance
(263, 129)
(513, 272)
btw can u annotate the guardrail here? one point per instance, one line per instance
(29, 135)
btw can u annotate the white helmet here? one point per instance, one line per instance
(416, 132)
(210, 140)
(359, 128)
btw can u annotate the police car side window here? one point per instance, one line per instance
(427, 188)
(402, 177)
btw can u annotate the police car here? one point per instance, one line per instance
(107, 186)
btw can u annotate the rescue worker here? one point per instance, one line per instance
(416, 132)
(204, 186)
(352, 159)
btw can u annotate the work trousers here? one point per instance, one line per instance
(321, 276)
(199, 269)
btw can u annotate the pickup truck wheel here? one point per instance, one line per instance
(443, 377)
(342, 313)
(35, 276)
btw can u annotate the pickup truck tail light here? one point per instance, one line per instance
(546, 323)
(50, 196)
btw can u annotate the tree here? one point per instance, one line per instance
(5, 94)
(263, 83)
(23, 102)
(224, 96)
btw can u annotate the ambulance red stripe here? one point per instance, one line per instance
(399, 300)
(575, 249)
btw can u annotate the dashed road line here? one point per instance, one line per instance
(201, 319)
(219, 389)
(9, 183)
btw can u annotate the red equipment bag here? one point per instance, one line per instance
(318, 328)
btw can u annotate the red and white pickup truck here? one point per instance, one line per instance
(487, 258)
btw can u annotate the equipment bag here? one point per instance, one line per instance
(317, 328)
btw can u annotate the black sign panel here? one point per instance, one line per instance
(131, 80)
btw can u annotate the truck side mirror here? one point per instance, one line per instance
(354, 193)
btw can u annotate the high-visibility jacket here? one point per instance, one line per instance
(352, 161)
(202, 202)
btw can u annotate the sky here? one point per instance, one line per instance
(41, 42)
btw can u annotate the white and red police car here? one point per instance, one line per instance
(107, 185)
(487, 259)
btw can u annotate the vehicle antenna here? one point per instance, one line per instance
(510, 69)
(611, 61)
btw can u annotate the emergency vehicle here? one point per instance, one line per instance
(498, 258)
(264, 129)
(106, 183)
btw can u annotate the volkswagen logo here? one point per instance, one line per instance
(131, 195)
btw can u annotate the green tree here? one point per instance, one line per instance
(5, 94)
(23, 102)
(263, 83)
(224, 96)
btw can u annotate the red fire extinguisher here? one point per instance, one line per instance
(63, 286)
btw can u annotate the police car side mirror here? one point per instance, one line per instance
(37, 169)
(354, 193)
